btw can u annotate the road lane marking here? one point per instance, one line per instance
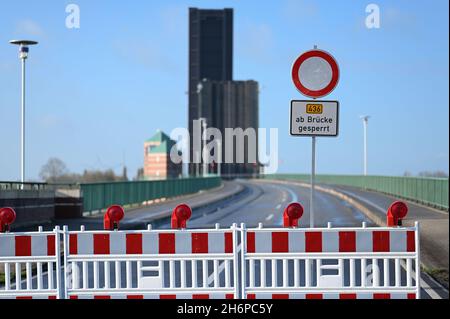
(221, 268)
(270, 217)
(278, 206)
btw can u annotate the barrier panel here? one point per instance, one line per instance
(99, 196)
(332, 263)
(290, 262)
(33, 256)
(151, 264)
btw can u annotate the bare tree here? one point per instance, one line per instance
(53, 170)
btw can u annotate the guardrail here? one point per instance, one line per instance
(8, 186)
(99, 196)
(432, 192)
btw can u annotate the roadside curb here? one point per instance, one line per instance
(167, 213)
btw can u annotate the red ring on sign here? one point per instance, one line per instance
(334, 70)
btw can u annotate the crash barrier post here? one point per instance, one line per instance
(290, 262)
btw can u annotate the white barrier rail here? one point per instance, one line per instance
(238, 263)
(31, 265)
(151, 264)
(336, 263)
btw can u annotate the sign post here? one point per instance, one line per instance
(315, 74)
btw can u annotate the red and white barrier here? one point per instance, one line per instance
(151, 264)
(180, 263)
(22, 255)
(331, 263)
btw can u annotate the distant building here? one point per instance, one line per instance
(157, 163)
(233, 104)
(210, 54)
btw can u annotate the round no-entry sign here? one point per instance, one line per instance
(315, 73)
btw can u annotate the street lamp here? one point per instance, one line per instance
(23, 55)
(202, 121)
(203, 145)
(365, 119)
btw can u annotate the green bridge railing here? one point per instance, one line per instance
(428, 191)
(98, 196)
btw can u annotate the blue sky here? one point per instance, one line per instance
(96, 93)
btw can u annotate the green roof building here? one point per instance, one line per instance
(157, 161)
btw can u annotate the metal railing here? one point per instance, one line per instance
(432, 192)
(18, 186)
(98, 196)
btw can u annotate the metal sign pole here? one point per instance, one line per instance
(313, 181)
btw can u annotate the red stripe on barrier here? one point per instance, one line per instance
(251, 296)
(73, 244)
(280, 296)
(280, 242)
(250, 242)
(313, 242)
(314, 296)
(228, 243)
(381, 241)
(200, 296)
(168, 297)
(24, 297)
(101, 244)
(102, 297)
(23, 245)
(134, 244)
(135, 297)
(410, 241)
(167, 243)
(51, 297)
(51, 245)
(412, 296)
(229, 296)
(347, 296)
(200, 243)
(381, 296)
(347, 241)
(73, 297)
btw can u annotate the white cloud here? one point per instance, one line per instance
(28, 27)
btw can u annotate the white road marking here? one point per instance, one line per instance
(221, 268)
(270, 217)
(294, 197)
(278, 206)
(423, 284)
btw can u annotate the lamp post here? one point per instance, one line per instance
(202, 121)
(365, 119)
(23, 55)
(204, 150)
(219, 164)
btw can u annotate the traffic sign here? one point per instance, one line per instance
(315, 73)
(315, 118)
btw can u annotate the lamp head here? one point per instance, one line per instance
(24, 44)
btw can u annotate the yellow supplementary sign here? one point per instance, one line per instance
(314, 108)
